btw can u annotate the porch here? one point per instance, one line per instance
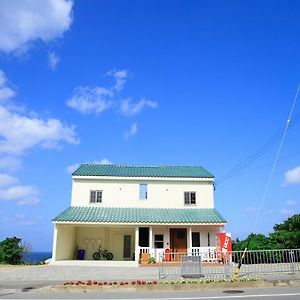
(130, 244)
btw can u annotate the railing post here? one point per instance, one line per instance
(137, 248)
(151, 241)
(292, 259)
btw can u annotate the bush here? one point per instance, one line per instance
(11, 251)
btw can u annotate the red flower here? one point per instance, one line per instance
(133, 282)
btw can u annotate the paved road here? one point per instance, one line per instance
(291, 293)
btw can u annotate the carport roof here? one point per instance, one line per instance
(76, 214)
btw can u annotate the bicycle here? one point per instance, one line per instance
(102, 253)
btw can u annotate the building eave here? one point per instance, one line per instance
(137, 224)
(127, 178)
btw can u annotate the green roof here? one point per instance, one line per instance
(139, 215)
(142, 171)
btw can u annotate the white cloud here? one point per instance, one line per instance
(22, 194)
(250, 209)
(120, 77)
(7, 180)
(128, 108)
(26, 223)
(292, 176)
(105, 161)
(291, 202)
(98, 99)
(132, 131)
(53, 60)
(285, 211)
(10, 163)
(87, 100)
(20, 132)
(71, 168)
(23, 22)
(5, 91)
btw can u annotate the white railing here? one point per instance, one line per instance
(207, 253)
(144, 250)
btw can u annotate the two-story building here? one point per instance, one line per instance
(130, 210)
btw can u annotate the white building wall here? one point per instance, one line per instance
(64, 244)
(125, 192)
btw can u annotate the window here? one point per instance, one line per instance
(143, 191)
(96, 197)
(159, 241)
(190, 198)
(195, 239)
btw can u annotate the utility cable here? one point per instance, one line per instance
(267, 186)
(259, 152)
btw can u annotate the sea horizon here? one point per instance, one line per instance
(36, 256)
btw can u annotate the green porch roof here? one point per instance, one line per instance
(140, 215)
(142, 171)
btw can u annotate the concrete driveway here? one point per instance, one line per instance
(38, 276)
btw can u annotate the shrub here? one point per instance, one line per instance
(11, 251)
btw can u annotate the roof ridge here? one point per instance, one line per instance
(144, 166)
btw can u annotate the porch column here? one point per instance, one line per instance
(189, 241)
(151, 241)
(137, 248)
(54, 243)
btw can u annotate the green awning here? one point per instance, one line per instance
(134, 215)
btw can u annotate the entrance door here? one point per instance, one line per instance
(178, 241)
(127, 247)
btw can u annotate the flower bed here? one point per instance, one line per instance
(115, 283)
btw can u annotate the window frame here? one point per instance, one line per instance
(97, 192)
(189, 201)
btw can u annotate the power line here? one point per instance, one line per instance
(262, 150)
(276, 159)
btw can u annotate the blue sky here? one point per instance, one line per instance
(146, 83)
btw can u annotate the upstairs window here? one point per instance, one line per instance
(190, 198)
(143, 191)
(96, 197)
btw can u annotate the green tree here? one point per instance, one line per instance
(11, 251)
(257, 242)
(287, 234)
(284, 236)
